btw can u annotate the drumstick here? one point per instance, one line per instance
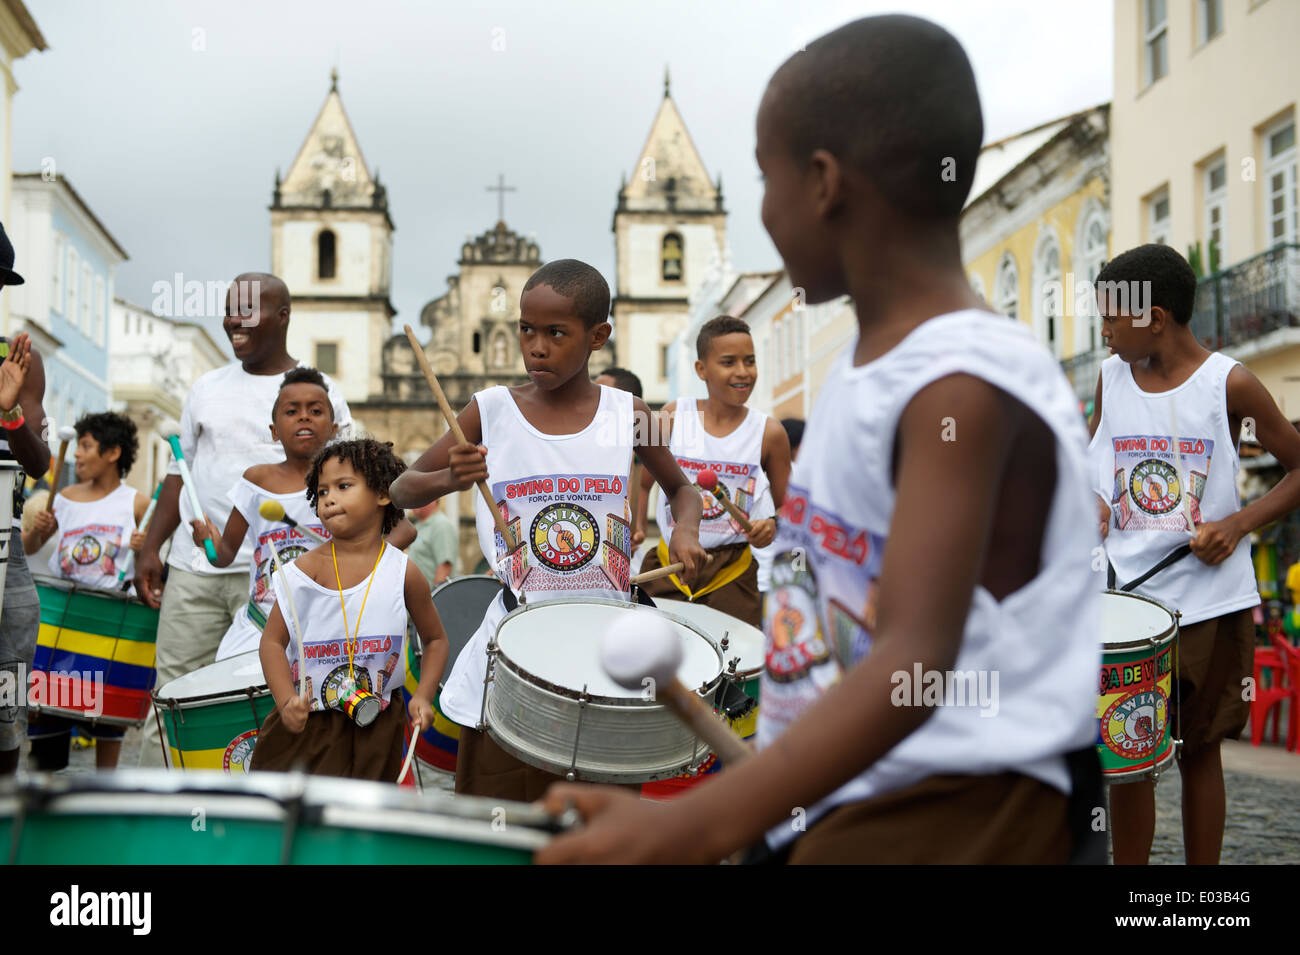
(644, 644)
(293, 612)
(658, 572)
(172, 433)
(410, 752)
(708, 481)
(65, 434)
(274, 511)
(144, 522)
(454, 425)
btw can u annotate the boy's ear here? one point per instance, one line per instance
(600, 334)
(699, 369)
(385, 500)
(274, 434)
(112, 454)
(828, 182)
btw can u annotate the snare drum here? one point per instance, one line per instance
(1139, 649)
(153, 817)
(211, 716)
(548, 702)
(461, 604)
(95, 650)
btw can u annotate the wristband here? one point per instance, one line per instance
(12, 424)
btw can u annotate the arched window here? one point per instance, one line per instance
(1048, 310)
(1006, 290)
(1089, 258)
(672, 257)
(325, 257)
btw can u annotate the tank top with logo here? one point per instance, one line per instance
(93, 537)
(1166, 461)
(1039, 643)
(245, 631)
(564, 499)
(737, 458)
(377, 634)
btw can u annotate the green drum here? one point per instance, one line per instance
(1139, 648)
(211, 716)
(153, 817)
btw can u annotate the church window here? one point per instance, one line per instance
(325, 257)
(478, 342)
(1006, 290)
(672, 257)
(327, 358)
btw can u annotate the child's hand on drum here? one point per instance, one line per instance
(294, 712)
(685, 547)
(763, 533)
(467, 464)
(421, 712)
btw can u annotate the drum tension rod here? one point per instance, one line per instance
(572, 774)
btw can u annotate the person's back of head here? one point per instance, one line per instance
(793, 431)
(623, 380)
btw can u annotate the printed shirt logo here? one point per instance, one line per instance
(1149, 493)
(90, 551)
(290, 544)
(1154, 487)
(86, 550)
(565, 536)
(374, 659)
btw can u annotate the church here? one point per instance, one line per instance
(332, 241)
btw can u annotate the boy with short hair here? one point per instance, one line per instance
(980, 546)
(750, 453)
(1167, 422)
(95, 519)
(527, 442)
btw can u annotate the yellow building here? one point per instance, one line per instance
(1035, 233)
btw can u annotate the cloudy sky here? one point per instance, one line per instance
(170, 117)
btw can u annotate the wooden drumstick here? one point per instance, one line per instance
(708, 481)
(66, 434)
(416, 727)
(293, 613)
(643, 644)
(454, 425)
(658, 572)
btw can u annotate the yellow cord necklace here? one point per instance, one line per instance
(356, 636)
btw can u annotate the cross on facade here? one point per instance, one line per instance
(501, 189)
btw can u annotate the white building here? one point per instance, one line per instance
(19, 35)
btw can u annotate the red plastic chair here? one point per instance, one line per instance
(1270, 697)
(1291, 657)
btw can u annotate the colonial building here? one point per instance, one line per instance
(669, 227)
(19, 35)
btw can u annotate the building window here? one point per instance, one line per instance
(1090, 258)
(99, 310)
(325, 254)
(1280, 181)
(87, 292)
(1209, 19)
(73, 275)
(1047, 294)
(1158, 217)
(1007, 289)
(59, 254)
(672, 257)
(1156, 50)
(1216, 213)
(663, 360)
(327, 358)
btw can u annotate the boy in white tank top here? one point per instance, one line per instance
(555, 454)
(1167, 419)
(95, 520)
(749, 455)
(943, 465)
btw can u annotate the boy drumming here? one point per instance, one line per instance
(535, 444)
(972, 534)
(750, 454)
(1166, 425)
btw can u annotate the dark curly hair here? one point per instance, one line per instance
(112, 431)
(716, 328)
(374, 462)
(303, 374)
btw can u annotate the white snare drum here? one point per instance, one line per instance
(743, 646)
(548, 702)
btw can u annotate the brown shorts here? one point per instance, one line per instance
(333, 745)
(1008, 819)
(1214, 657)
(483, 768)
(740, 598)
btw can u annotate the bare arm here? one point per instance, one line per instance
(228, 541)
(403, 535)
(776, 460)
(685, 501)
(1095, 421)
(436, 649)
(430, 477)
(23, 366)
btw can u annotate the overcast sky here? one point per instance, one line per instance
(170, 117)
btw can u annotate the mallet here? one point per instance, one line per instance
(144, 522)
(454, 425)
(708, 481)
(172, 433)
(641, 644)
(297, 627)
(658, 572)
(274, 511)
(66, 434)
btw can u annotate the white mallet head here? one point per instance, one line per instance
(641, 644)
(67, 433)
(271, 510)
(169, 429)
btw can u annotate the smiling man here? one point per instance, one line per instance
(223, 433)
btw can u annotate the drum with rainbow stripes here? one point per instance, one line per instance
(94, 653)
(211, 717)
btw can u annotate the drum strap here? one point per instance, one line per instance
(723, 577)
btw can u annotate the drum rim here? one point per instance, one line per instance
(76, 587)
(578, 695)
(494, 581)
(752, 673)
(1142, 643)
(1133, 774)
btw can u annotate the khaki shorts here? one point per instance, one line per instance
(1215, 656)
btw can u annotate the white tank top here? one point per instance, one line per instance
(94, 537)
(738, 460)
(1151, 491)
(380, 644)
(245, 632)
(564, 497)
(1041, 642)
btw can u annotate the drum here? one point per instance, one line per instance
(461, 604)
(153, 817)
(9, 471)
(1139, 647)
(548, 702)
(211, 716)
(94, 653)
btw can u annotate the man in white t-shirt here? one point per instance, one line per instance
(224, 431)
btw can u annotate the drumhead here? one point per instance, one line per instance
(1133, 619)
(232, 675)
(462, 602)
(743, 640)
(558, 643)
